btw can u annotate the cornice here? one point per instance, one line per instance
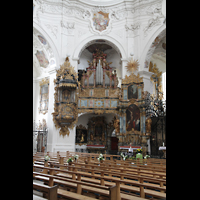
(83, 9)
(102, 2)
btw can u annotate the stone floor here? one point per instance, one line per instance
(37, 195)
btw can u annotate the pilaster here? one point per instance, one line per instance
(148, 86)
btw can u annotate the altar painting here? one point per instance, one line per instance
(97, 131)
(81, 136)
(133, 118)
(133, 92)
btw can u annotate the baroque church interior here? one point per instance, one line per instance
(99, 92)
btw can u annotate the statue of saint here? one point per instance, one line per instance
(82, 138)
(91, 137)
(103, 136)
(116, 125)
(148, 123)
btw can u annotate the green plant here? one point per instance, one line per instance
(122, 155)
(100, 157)
(76, 157)
(125, 157)
(46, 158)
(132, 158)
(139, 151)
(69, 160)
(147, 156)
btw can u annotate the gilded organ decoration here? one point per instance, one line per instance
(65, 114)
(99, 73)
(99, 92)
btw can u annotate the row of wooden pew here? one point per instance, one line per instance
(93, 157)
(114, 179)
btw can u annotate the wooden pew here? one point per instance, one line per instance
(135, 169)
(117, 167)
(126, 167)
(112, 190)
(51, 191)
(141, 168)
(138, 186)
(122, 173)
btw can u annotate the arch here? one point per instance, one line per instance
(85, 116)
(148, 51)
(50, 41)
(88, 41)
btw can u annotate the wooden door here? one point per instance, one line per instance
(114, 143)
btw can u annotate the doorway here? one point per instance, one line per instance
(158, 136)
(114, 145)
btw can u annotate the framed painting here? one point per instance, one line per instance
(133, 118)
(44, 96)
(133, 91)
(81, 135)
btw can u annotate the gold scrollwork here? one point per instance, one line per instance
(65, 110)
(132, 78)
(100, 92)
(44, 81)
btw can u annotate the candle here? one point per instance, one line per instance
(163, 144)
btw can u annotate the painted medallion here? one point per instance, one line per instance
(100, 21)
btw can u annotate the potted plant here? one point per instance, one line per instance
(132, 158)
(69, 161)
(139, 151)
(100, 158)
(46, 158)
(146, 157)
(123, 157)
(76, 158)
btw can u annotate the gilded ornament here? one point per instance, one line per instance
(132, 78)
(44, 81)
(148, 123)
(65, 106)
(116, 125)
(132, 65)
